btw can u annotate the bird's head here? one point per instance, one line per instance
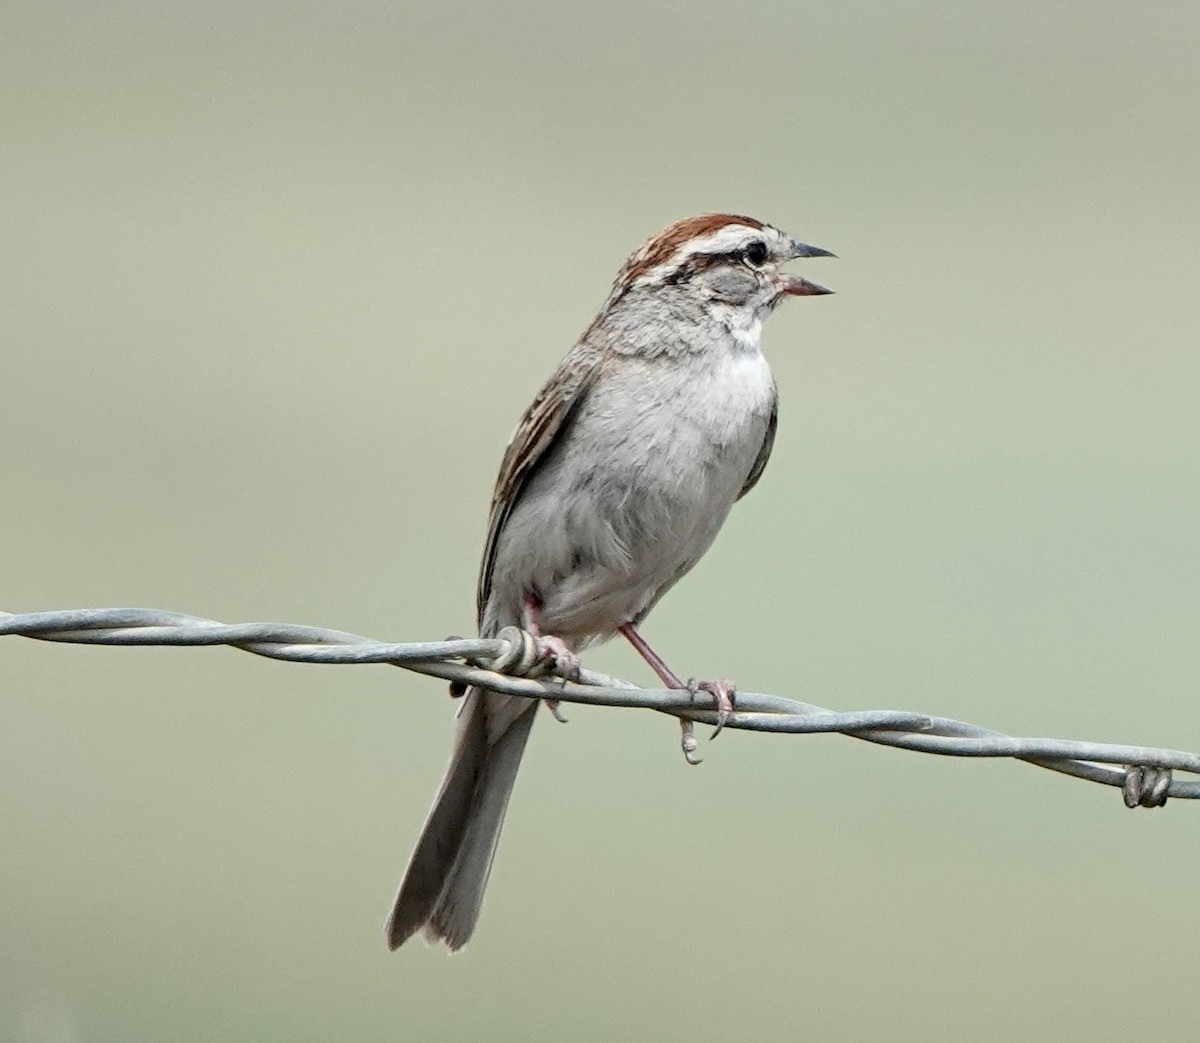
(725, 259)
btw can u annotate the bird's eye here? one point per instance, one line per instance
(756, 253)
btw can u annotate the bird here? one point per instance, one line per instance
(614, 484)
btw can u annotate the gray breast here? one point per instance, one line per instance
(633, 493)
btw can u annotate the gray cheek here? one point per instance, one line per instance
(732, 285)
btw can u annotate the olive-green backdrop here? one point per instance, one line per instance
(277, 280)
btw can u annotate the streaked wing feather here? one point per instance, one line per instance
(544, 421)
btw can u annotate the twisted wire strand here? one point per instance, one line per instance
(1142, 772)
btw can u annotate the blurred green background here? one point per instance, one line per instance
(278, 280)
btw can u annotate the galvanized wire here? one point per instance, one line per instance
(1143, 772)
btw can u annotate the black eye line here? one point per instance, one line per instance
(692, 265)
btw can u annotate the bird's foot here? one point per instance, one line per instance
(555, 654)
(723, 694)
(722, 691)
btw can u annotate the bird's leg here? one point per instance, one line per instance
(629, 631)
(551, 648)
(722, 691)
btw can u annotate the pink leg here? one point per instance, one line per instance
(722, 691)
(652, 657)
(551, 648)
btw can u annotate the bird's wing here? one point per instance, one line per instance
(764, 454)
(544, 422)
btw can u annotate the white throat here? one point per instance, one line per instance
(744, 326)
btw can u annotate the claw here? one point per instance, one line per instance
(722, 692)
(688, 741)
(555, 712)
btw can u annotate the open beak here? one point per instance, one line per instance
(793, 285)
(804, 250)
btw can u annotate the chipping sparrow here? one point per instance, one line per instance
(614, 484)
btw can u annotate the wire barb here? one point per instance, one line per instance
(1146, 787)
(1145, 775)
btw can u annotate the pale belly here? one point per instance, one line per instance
(631, 497)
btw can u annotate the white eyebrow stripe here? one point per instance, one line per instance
(723, 240)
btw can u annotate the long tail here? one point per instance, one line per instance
(443, 887)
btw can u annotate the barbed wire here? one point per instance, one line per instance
(1144, 774)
